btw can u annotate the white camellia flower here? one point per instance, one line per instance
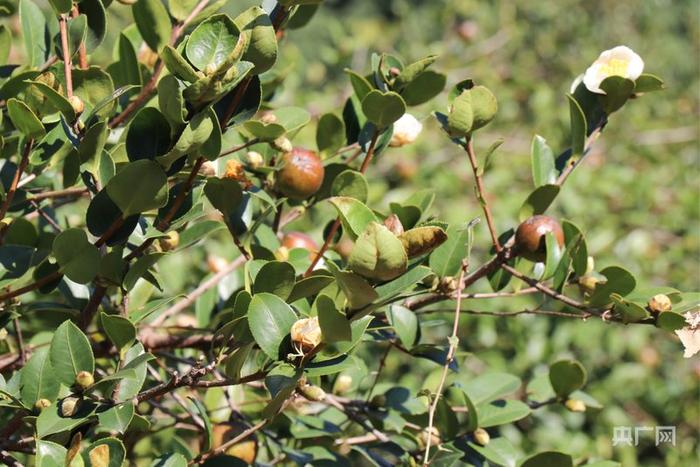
(406, 130)
(690, 335)
(618, 61)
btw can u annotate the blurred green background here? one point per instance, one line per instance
(635, 196)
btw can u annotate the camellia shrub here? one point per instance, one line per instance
(112, 170)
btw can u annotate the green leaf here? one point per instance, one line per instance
(543, 168)
(309, 286)
(119, 330)
(5, 43)
(422, 240)
(576, 247)
(355, 288)
(359, 83)
(38, 379)
(212, 42)
(135, 359)
(499, 451)
(330, 133)
(566, 376)
(148, 135)
(554, 256)
(405, 324)
(96, 89)
(275, 277)
(116, 419)
(270, 320)
(619, 281)
(423, 87)
(50, 421)
(78, 258)
(125, 71)
(24, 119)
(139, 186)
(413, 70)
(446, 260)
(260, 35)
(106, 452)
(92, 144)
(474, 108)
(350, 184)
(383, 108)
(671, 321)
(177, 65)
(354, 214)
(648, 83)
(96, 21)
(193, 137)
(491, 386)
(172, 459)
(224, 194)
(50, 454)
(33, 33)
(550, 459)
(202, 412)
(617, 91)
(70, 353)
(61, 6)
(501, 412)
(153, 23)
(140, 268)
(378, 254)
(56, 99)
(407, 281)
(334, 324)
(579, 129)
(538, 201)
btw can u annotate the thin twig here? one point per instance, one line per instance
(67, 61)
(20, 341)
(453, 340)
(469, 148)
(546, 290)
(82, 51)
(24, 162)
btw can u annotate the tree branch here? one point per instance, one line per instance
(469, 148)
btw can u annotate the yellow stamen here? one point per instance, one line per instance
(615, 67)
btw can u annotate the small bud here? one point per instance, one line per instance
(433, 435)
(575, 405)
(170, 242)
(77, 104)
(41, 404)
(235, 170)
(282, 144)
(406, 130)
(590, 265)
(207, 169)
(588, 283)
(254, 159)
(84, 379)
(660, 303)
(393, 223)
(216, 263)
(343, 383)
(394, 71)
(210, 69)
(481, 436)
(268, 117)
(468, 30)
(69, 406)
(282, 253)
(306, 333)
(312, 393)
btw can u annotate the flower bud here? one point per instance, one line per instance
(306, 333)
(268, 117)
(343, 383)
(394, 71)
(235, 170)
(41, 404)
(312, 393)
(254, 159)
(282, 144)
(216, 263)
(207, 169)
(77, 104)
(282, 253)
(393, 223)
(481, 436)
(84, 379)
(587, 283)
(433, 435)
(468, 30)
(170, 242)
(406, 130)
(575, 405)
(660, 303)
(69, 406)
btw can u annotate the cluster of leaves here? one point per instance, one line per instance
(80, 377)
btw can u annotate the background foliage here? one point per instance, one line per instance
(635, 197)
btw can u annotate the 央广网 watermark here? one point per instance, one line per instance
(629, 436)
